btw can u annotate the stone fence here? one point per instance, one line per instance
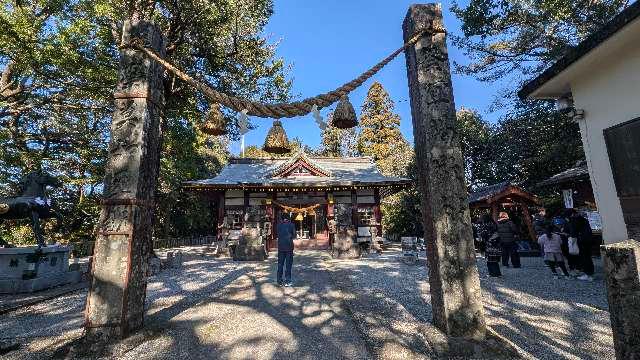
(167, 243)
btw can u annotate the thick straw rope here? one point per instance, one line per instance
(282, 110)
(299, 210)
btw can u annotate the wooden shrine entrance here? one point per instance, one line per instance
(312, 231)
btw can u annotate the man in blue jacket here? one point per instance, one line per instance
(286, 233)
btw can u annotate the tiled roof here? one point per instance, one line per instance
(579, 172)
(260, 172)
(488, 191)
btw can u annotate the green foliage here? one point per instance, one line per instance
(529, 145)
(476, 142)
(338, 142)
(18, 234)
(403, 211)
(515, 38)
(380, 138)
(512, 41)
(535, 142)
(58, 67)
(188, 155)
(380, 135)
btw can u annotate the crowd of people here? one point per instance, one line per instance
(565, 242)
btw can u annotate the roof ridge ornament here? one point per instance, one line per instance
(300, 158)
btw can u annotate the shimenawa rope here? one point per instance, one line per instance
(282, 110)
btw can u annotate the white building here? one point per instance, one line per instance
(601, 79)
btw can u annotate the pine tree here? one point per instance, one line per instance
(380, 138)
(380, 135)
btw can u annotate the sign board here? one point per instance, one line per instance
(594, 220)
(623, 146)
(567, 197)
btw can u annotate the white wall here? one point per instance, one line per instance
(608, 90)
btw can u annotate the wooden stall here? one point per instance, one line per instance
(505, 197)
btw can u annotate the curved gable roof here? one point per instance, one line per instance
(347, 171)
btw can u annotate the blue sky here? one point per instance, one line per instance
(330, 42)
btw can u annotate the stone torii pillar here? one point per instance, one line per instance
(453, 276)
(115, 303)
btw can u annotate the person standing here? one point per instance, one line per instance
(508, 232)
(551, 243)
(580, 229)
(286, 234)
(488, 235)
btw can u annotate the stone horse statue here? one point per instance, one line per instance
(32, 203)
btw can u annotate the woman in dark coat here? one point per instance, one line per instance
(580, 229)
(487, 232)
(508, 232)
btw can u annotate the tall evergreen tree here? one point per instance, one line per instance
(380, 138)
(380, 135)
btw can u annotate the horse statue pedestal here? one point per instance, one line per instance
(27, 269)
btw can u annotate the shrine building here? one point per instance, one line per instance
(253, 193)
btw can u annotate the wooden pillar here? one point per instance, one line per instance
(330, 215)
(220, 211)
(494, 211)
(354, 209)
(527, 221)
(115, 303)
(456, 298)
(274, 221)
(377, 213)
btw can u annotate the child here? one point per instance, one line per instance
(551, 243)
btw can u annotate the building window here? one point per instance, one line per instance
(235, 218)
(366, 216)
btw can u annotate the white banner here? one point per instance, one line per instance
(567, 196)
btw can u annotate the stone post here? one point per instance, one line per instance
(622, 268)
(115, 303)
(453, 276)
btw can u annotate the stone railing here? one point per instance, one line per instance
(167, 243)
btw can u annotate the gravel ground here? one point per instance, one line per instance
(213, 308)
(217, 308)
(543, 317)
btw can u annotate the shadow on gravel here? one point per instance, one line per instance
(304, 322)
(354, 309)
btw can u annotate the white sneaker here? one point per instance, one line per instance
(585, 278)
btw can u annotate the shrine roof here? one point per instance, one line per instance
(323, 172)
(495, 193)
(577, 173)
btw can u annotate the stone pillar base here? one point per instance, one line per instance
(353, 253)
(622, 276)
(249, 253)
